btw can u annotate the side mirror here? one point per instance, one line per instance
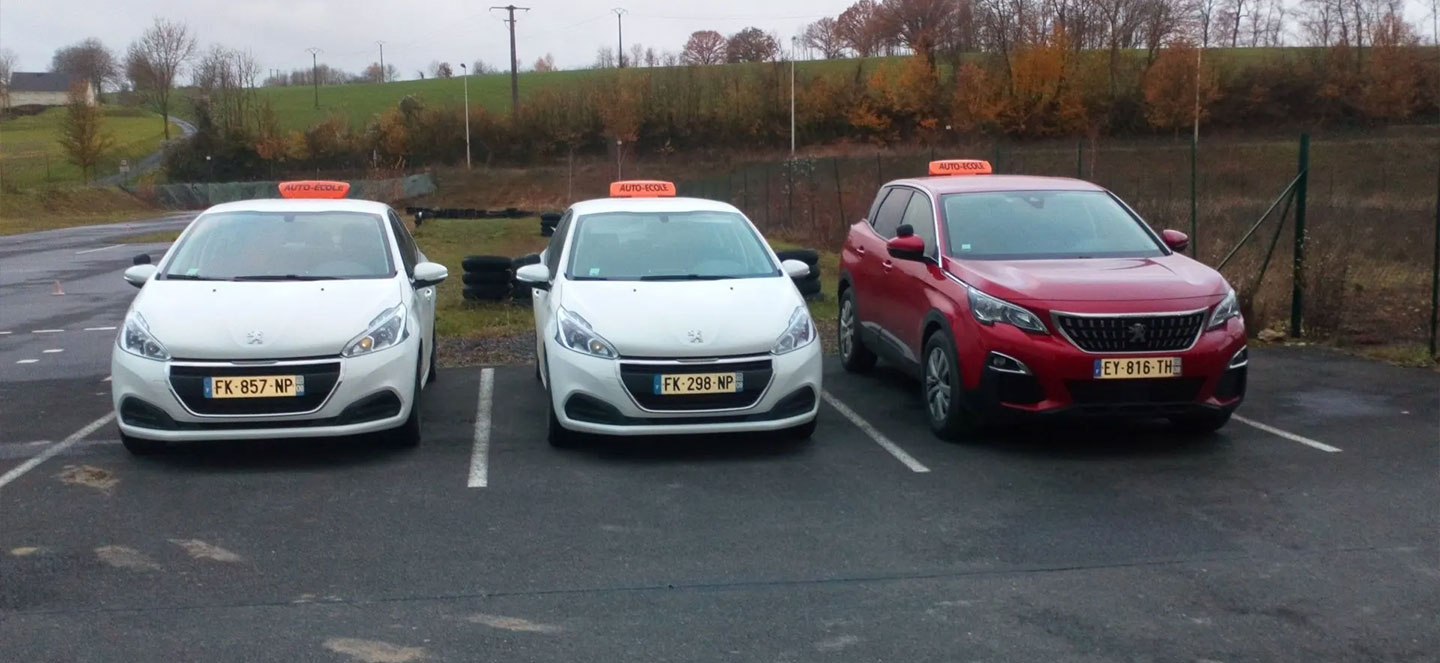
(1176, 240)
(139, 274)
(907, 247)
(430, 273)
(905, 230)
(536, 276)
(795, 269)
(142, 259)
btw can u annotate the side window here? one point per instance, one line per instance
(892, 211)
(408, 251)
(875, 206)
(557, 244)
(920, 216)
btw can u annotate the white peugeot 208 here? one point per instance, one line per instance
(658, 315)
(300, 317)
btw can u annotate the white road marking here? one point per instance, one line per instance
(52, 351)
(6, 333)
(49, 453)
(875, 434)
(107, 379)
(1287, 435)
(103, 248)
(27, 361)
(99, 329)
(47, 331)
(480, 455)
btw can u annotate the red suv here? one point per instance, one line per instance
(1011, 294)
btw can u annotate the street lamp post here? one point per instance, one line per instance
(465, 75)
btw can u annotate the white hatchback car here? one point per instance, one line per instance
(658, 315)
(279, 319)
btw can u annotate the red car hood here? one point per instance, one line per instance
(1093, 279)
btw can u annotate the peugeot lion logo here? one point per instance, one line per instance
(255, 337)
(1137, 333)
(696, 336)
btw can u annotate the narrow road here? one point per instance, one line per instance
(150, 162)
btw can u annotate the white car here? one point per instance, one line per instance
(289, 318)
(658, 315)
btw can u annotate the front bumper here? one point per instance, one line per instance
(1058, 378)
(589, 395)
(371, 393)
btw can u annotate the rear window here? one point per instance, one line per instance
(1019, 225)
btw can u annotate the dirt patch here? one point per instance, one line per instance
(487, 350)
(513, 624)
(374, 651)
(201, 550)
(121, 557)
(89, 476)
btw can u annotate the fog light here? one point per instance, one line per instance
(1007, 364)
(1241, 358)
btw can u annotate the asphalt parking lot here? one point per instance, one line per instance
(1308, 531)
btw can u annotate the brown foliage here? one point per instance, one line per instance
(1170, 88)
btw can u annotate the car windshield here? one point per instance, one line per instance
(1020, 225)
(653, 246)
(283, 246)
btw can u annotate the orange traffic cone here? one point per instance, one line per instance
(58, 289)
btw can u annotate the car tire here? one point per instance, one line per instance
(485, 264)
(486, 278)
(546, 231)
(807, 287)
(854, 356)
(803, 431)
(142, 447)
(407, 436)
(1200, 424)
(943, 391)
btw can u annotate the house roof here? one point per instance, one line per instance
(31, 81)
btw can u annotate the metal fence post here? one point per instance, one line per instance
(1297, 294)
(839, 194)
(1080, 159)
(1435, 270)
(1194, 203)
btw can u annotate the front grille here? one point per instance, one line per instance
(1142, 333)
(1134, 392)
(639, 380)
(189, 384)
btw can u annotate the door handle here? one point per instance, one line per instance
(860, 250)
(888, 265)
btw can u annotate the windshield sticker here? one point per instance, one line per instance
(964, 247)
(192, 271)
(594, 271)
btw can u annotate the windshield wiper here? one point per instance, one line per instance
(589, 278)
(188, 277)
(684, 277)
(285, 277)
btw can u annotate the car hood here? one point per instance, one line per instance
(686, 318)
(1092, 279)
(216, 319)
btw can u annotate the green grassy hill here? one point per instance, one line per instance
(30, 153)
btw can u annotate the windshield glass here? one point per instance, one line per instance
(283, 246)
(634, 246)
(1018, 225)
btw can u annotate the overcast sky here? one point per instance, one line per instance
(416, 32)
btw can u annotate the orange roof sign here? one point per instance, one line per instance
(959, 167)
(642, 189)
(314, 189)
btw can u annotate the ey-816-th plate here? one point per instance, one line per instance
(698, 383)
(1147, 367)
(255, 386)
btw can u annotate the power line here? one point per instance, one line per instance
(514, 66)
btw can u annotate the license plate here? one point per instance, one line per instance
(1121, 369)
(699, 383)
(259, 386)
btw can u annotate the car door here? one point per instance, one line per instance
(424, 303)
(878, 310)
(908, 282)
(870, 250)
(543, 302)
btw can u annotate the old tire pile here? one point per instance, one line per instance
(809, 285)
(520, 292)
(548, 221)
(487, 278)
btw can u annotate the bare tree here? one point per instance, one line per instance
(1205, 17)
(479, 67)
(862, 29)
(824, 36)
(7, 66)
(546, 63)
(637, 55)
(918, 24)
(373, 73)
(604, 58)
(670, 59)
(154, 61)
(704, 47)
(651, 59)
(88, 60)
(441, 70)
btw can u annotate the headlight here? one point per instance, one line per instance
(137, 340)
(989, 310)
(387, 330)
(1226, 309)
(574, 332)
(798, 334)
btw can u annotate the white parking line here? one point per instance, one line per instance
(480, 455)
(50, 452)
(52, 351)
(875, 434)
(27, 361)
(6, 333)
(1287, 435)
(99, 329)
(103, 248)
(47, 331)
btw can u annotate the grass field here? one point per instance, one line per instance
(30, 153)
(50, 208)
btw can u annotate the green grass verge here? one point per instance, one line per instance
(48, 209)
(30, 153)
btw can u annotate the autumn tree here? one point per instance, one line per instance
(1391, 87)
(824, 36)
(375, 74)
(1170, 88)
(546, 63)
(919, 24)
(862, 29)
(88, 60)
(751, 45)
(154, 61)
(704, 47)
(81, 134)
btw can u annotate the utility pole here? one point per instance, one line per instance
(382, 61)
(793, 42)
(1194, 156)
(514, 66)
(465, 74)
(620, 39)
(315, 72)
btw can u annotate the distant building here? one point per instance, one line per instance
(46, 89)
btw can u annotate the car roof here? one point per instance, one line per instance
(602, 205)
(939, 186)
(301, 205)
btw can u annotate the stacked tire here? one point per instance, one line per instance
(548, 221)
(520, 293)
(809, 285)
(487, 278)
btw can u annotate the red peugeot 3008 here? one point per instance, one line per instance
(1010, 294)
